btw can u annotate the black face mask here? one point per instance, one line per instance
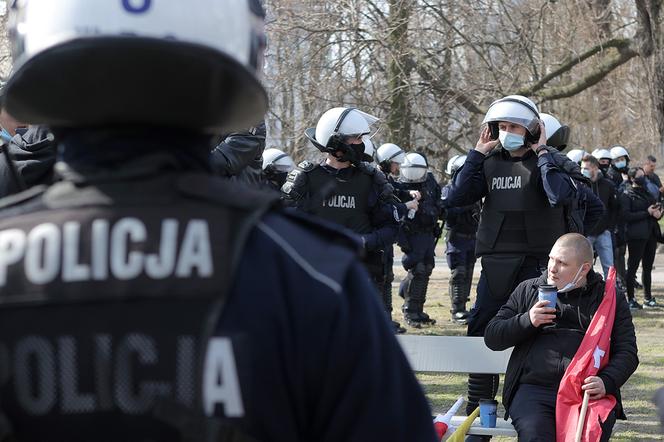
(640, 181)
(604, 168)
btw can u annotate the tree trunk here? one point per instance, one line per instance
(399, 115)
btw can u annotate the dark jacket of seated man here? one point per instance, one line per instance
(542, 353)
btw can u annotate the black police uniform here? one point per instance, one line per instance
(521, 219)
(417, 241)
(33, 156)
(460, 232)
(155, 302)
(358, 198)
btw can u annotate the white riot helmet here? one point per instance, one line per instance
(576, 155)
(619, 151)
(602, 154)
(557, 135)
(190, 64)
(335, 126)
(515, 109)
(369, 149)
(277, 160)
(390, 152)
(455, 164)
(414, 168)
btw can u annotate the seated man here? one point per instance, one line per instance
(545, 341)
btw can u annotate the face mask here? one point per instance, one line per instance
(510, 141)
(587, 173)
(6, 136)
(620, 164)
(572, 284)
(641, 181)
(604, 167)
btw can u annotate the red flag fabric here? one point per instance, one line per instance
(590, 358)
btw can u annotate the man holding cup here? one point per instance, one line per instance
(546, 336)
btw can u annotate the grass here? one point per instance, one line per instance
(642, 424)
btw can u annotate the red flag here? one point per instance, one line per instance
(590, 358)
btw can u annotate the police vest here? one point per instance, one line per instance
(516, 216)
(109, 297)
(464, 223)
(348, 202)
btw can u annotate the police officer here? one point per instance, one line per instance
(417, 238)
(276, 166)
(523, 213)
(344, 189)
(389, 157)
(618, 174)
(604, 158)
(460, 231)
(141, 297)
(619, 167)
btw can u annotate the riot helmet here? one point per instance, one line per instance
(604, 158)
(455, 164)
(276, 165)
(336, 126)
(414, 168)
(576, 155)
(369, 149)
(515, 109)
(81, 63)
(388, 154)
(620, 158)
(557, 135)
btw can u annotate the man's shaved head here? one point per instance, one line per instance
(582, 248)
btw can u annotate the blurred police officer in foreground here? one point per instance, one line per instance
(346, 190)
(460, 231)
(143, 299)
(523, 212)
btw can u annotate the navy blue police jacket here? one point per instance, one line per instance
(313, 355)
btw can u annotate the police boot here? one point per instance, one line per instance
(416, 296)
(457, 295)
(387, 302)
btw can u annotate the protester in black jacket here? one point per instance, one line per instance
(544, 346)
(641, 213)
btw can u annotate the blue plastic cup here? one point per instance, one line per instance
(548, 293)
(488, 412)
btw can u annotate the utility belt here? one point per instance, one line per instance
(453, 234)
(414, 228)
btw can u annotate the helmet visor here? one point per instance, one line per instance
(512, 112)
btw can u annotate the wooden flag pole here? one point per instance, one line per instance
(582, 417)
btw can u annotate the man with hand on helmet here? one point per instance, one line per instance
(523, 213)
(417, 237)
(130, 305)
(345, 190)
(460, 231)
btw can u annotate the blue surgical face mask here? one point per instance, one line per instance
(6, 136)
(587, 173)
(511, 141)
(572, 284)
(620, 164)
